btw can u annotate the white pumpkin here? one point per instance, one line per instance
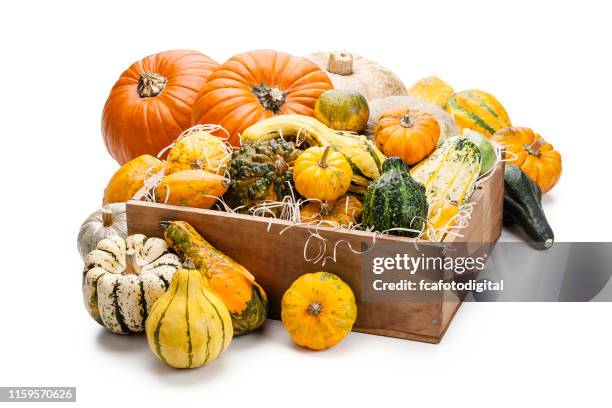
(350, 72)
(103, 223)
(122, 279)
(447, 124)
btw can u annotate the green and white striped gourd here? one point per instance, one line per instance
(449, 174)
(122, 279)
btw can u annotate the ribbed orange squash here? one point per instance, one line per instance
(345, 211)
(409, 134)
(231, 282)
(191, 188)
(150, 104)
(529, 151)
(130, 178)
(256, 85)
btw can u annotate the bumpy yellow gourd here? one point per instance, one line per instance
(318, 310)
(188, 326)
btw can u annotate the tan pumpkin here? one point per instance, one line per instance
(197, 149)
(151, 102)
(409, 134)
(345, 211)
(350, 72)
(322, 173)
(529, 151)
(448, 128)
(191, 188)
(130, 178)
(432, 89)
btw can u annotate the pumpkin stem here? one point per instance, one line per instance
(340, 63)
(405, 121)
(315, 308)
(188, 264)
(323, 161)
(198, 164)
(270, 98)
(326, 208)
(534, 148)
(280, 165)
(107, 217)
(131, 266)
(150, 84)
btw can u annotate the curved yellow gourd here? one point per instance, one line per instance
(188, 326)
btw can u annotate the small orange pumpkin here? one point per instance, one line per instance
(318, 310)
(256, 85)
(529, 151)
(150, 104)
(409, 134)
(345, 211)
(130, 178)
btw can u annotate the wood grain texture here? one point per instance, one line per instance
(273, 251)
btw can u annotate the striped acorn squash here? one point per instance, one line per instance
(478, 110)
(395, 200)
(449, 174)
(231, 282)
(122, 279)
(188, 326)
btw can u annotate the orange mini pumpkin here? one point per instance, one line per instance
(150, 105)
(256, 85)
(529, 151)
(345, 211)
(409, 134)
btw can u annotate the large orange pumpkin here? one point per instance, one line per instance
(257, 85)
(529, 151)
(150, 105)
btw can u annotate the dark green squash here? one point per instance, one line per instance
(522, 207)
(395, 200)
(261, 171)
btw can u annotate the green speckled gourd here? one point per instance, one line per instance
(395, 200)
(261, 171)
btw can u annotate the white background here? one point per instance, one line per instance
(549, 64)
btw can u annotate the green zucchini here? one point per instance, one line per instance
(522, 206)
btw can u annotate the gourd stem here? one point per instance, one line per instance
(269, 97)
(325, 208)
(131, 266)
(323, 161)
(188, 264)
(405, 121)
(150, 84)
(315, 308)
(534, 148)
(107, 217)
(280, 165)
(340, 63)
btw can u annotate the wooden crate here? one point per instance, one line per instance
(277, 260)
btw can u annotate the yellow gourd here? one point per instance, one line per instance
(322, 173)
(318, 310)
(188, 326)
(432, 89)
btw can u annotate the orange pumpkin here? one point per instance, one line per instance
(130, 178)
(409, 134)
(529, 151)
(150, 105)
(257, 85)
(345, 211)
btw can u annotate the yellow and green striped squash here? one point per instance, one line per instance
(478, 110)
(188, 326)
